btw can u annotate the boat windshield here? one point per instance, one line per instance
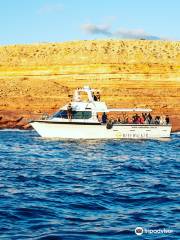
(75, 114)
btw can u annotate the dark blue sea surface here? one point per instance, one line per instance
(52, 189)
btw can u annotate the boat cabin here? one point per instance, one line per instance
(84, 106)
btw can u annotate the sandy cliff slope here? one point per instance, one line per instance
(37, 78)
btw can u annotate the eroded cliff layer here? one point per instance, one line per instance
(37, 78)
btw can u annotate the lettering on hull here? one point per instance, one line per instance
(135, 135)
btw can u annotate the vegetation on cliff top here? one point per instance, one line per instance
(85, 52)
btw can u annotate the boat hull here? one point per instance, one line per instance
(48, 129)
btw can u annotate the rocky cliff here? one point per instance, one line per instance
(37, 78)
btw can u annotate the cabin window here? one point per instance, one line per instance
(76, 114)
(61, 114)
(82, 114)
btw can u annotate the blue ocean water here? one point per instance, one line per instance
(52, 189)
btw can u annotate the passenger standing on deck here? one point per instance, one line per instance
(98, 96)
(167, 119)
(104, 118)
(69, 111)
(118, 119)
(149, 117)
(157, 120)
(162, 120)
(141, 120)
(144, 115)
(94, 97)
(110, 123)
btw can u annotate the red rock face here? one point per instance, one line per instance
(35, 79)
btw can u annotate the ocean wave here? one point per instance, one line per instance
(86, 189)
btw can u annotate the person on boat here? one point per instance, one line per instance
(110, 123)
(133, 119)
(167, 119)
(162, 120)
(94, 97)
(128, 120)
(136, 118)
(157, 120)
(104, 117)
(98, 96)
(118, 120)
(69, 111)
(144, 115)
(149, 118)
(141, 120)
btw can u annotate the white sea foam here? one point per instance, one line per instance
(176, 133)
(14, 130)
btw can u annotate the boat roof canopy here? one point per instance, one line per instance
(88, 106)
(129, 110)
(101, 107)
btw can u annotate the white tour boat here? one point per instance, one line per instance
(81, 122)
